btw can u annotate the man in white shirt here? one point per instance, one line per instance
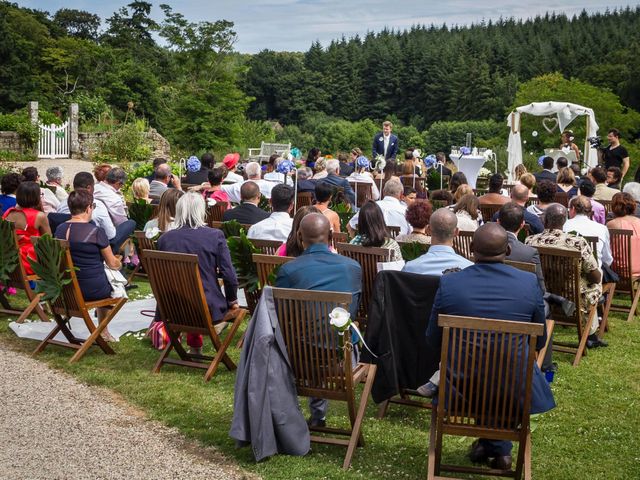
(254, 172)
(579, 221)
(109, 193)
(53, 194)
(278, 225)
(392, 208)
(231, 161)
(100, 216)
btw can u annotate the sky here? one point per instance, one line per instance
(293, 25)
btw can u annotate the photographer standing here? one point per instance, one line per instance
(615, 155)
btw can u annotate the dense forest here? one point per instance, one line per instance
(185, 79)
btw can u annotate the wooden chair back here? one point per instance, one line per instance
(144, 243)
(363, 192)
(304, 199)
(593, 243)
(71, 302)
(533, 201)
(607, 207)
(414, 182)
(562, 198)
(485, 385)
(312, 344)
(215, 212)
(622, 258)
(561, 270)
(339, 237)
(266, 264)
(508, 187)
(266, 247)
(393, 231)
(368, 258)
(488, 210)
(524, 266)
(462, 244)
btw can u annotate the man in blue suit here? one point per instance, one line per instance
(385, 143)
(319, 269)
(334, 179)
(491, 289)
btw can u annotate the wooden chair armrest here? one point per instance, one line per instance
(106, 302)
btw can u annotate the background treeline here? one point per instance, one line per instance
(435, 83)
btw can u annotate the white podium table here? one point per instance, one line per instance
(470, 165)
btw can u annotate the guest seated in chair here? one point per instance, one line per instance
(165, 215)
(8, 185)
(372, 231)
(418, 214)
(90, 250)
(293, 246)
(319, 269)
(29, 219)
(191, 235)
(479, 291)
(278, 225)
(494, 197)
(248, 212)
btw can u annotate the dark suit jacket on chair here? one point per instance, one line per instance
(378, 146)
(495, 291)
(524, 253)
(337, 181)
(246, 213)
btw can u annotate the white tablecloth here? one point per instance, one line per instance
(470, 165)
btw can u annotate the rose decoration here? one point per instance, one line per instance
(285, 167)
(430, 161)
(465, 151)
(540, 159)
(211, 202)
(153, 233)
(363, 162)
(417, 153)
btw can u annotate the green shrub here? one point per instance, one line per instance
(19, 122)
(8, 156)
(127, 144)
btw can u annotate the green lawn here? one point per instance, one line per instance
(594, 432)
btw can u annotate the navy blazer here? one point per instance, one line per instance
(497, 291)
(319, 269)
(246, 213)
(337, 181)
(531, 219)
(378, 146)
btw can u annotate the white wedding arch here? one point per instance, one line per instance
(565, 113)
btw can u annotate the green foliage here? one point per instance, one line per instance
(92, 108)
(264, 204)
(7, 156)
(48, 268)
(9, 257)
(344, 214)
(433, 180)
(609, 112)
(127, 143)
(19, 122)
(442, 135)
(413, 250)
(232, 228)
(143, 169)
(241, 250)
(140, 211)
(48, 118)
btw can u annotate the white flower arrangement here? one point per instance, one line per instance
(484, 172)
(380, 163)
(211, 202)
(340, 319)
(153, 233)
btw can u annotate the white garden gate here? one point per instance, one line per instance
(53, 141)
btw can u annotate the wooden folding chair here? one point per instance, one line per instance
(368, 258)
(393, 231)
(177, 287)
(608, 289)
(488, 210)
(266, 265)
(142, 243)
(320, 367)
(70, 304)
(339, 237)
(561, 270)
(622, 262)
(462, 244)
(363, 192)
(266, 247)
(562, 198)
(215, 212)
(304, 199)
(19, 280)
(607, 207)
(485, 389)
(549, 324)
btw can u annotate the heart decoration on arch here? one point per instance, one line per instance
(550, 120)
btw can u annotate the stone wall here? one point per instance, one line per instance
(11, 141)
(89, 142)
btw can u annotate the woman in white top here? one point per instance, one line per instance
(361, 174)
(163, 220)
(467, 212)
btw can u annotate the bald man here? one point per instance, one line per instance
(520, 195)
(443, 227)
(319, 269)
(491, 289)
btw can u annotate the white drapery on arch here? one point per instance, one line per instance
(566, 113)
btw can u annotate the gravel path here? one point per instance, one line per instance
(69, 167)
(53, 427)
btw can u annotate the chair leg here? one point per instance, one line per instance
(163, 355)
(431, 465)
(35, 303)
(583, 338)
(550, 324)
(134, 273)
(355, 433)
(221, 354)
(382, 409)
(95, 337)
(634, 304)
(527, 457)
(610, 289)
(43, 344)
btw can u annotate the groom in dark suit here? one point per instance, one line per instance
(491, 289)
(385, 143)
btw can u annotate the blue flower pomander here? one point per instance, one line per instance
(465, 150)
(363, 162)
(295, 151)
(540, 159)
(193, 164)
(285, 167)
(430, 161)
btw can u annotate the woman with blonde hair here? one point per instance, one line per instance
(461, 191)
(165, 216)
(466, 209)
(140, 189)
(320, 168)
(519, 171)
(566, 181)
(528, 180)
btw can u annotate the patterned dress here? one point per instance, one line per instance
(591, 292)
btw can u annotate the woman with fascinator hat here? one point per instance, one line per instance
(362, 174)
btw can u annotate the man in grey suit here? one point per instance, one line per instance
(511, 217)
